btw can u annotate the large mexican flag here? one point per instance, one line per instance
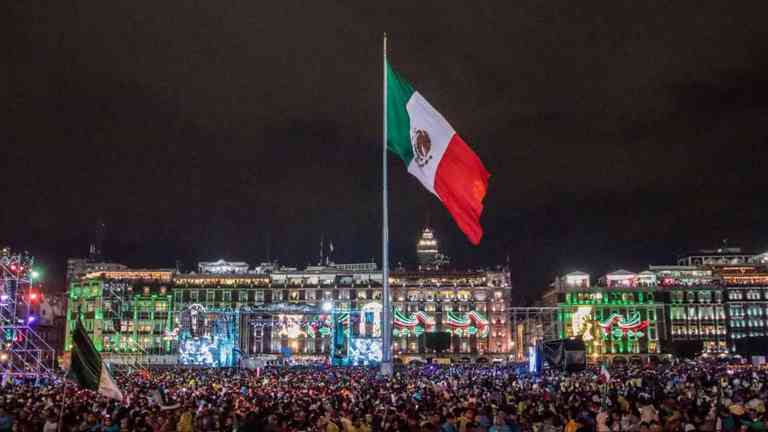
(436, 154)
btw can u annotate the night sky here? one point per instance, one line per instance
(618, 134)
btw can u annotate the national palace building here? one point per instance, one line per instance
(270, 311)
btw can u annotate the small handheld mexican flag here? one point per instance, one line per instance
(435, 154)
(604, 374)
(87, 368)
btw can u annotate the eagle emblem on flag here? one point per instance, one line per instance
(422, 145)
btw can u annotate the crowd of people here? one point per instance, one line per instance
(684, 396)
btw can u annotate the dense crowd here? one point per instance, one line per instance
(686, 396)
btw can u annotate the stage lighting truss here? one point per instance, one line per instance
(23, 352)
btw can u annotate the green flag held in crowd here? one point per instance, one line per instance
(87, 368)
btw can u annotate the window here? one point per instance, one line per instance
(161, 307)
(718, 297)
(705, 297)
(753, 295)
(464, 346)
(677, 312)
(677, 296)
(720, 312)
(734, 295)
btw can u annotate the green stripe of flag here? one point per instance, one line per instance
(399, 91)
(86, 361)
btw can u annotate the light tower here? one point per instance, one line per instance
(23, 353)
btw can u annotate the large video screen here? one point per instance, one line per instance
(365, 351)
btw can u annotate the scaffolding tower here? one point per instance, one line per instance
(532, 325)
(116, 305)
(23, 353)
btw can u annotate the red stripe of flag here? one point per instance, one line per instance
(461, 182)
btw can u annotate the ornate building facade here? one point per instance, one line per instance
(290, 312)
(711, 298)
(621, 314)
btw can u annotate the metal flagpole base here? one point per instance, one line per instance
(386, 368)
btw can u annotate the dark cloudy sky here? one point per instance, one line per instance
(617, 133)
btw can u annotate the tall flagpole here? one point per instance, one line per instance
(386, 310)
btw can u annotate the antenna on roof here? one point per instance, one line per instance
(322, 240)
